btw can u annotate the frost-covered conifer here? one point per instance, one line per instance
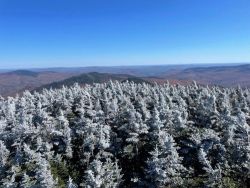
(43, 173)
(103, 174)
(156, 125)
(214, 175)
(132, 125)
(103, 136)
(4, 154)
(26, 181)
(156, 168)
(71, 184)
(164, 167)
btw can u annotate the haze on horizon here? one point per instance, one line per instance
(79, 33)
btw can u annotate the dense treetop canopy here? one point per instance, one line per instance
(126, 135)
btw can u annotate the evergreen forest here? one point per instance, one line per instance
(126, 135)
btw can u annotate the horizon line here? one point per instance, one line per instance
(137, 65)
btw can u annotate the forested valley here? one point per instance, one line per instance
(126, 135)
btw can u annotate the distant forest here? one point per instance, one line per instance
(126, 135)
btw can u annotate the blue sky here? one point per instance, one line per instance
(64, 33)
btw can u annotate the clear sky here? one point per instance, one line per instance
(63, 33)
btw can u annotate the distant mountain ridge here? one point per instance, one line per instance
(136, 70)
(23, 73)
(245, 67)
(17, 81)
(228, 76)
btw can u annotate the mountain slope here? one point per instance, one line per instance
(15, 82)
(90, 78)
